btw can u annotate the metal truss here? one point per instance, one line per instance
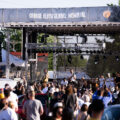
(65, 46)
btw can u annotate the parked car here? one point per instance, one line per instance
(112, 113)
(42, 97)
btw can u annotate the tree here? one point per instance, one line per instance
(15, 39)
(109, 63)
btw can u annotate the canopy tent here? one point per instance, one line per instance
(4, 81)
(12, 59)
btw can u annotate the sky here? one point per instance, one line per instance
(54, 3)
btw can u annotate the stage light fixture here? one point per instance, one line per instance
(87, 51)
(60, 50)
(70, 59)
(76, 51)
(91, 52)
(68, 51)
(81, 57)
(98, 51)
(53, 50)
(72, 51)
(64, 50)
(117, 58)
(94, 51)
(50, 51)
(80, 51)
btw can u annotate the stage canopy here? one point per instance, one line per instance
(63, 20)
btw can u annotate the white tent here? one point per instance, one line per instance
(11, 82)
(12, 59)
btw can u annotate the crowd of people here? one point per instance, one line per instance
(68, 99)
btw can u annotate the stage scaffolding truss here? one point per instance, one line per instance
(59, 22)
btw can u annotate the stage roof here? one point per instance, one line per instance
(63, 20)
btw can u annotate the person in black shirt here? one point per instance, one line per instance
(70, 100)
(117, 80)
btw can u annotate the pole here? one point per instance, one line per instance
(54, 60)
(26, 55)
(64, 56)
(23, 43)
(7, 54)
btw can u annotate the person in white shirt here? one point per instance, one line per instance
(101, 80)
(64, 82)
(10, 96)
(73, 76)
(109, 81)
(6, 113)
(44, 88)
(86, 99)
(80, 102)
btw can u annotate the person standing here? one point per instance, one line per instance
(46, 76)
(11, 97)
(96, 110)
(83, 113)
(57, 111)
(6, 113)
(117, 80)
(102, 81)
(32, 108)
(72, 78)
(103, 95)
(109, 81)
(70, 99)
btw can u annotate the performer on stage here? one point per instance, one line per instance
(109, 81)
(102, 81)
(72, 78)
(46, 76)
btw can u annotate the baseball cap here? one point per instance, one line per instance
(58, 104)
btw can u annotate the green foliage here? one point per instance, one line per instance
(50, 39)
(15, 38)
(110, 4)
(108, 65)
(62, 61)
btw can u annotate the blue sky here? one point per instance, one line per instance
(53, 3)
